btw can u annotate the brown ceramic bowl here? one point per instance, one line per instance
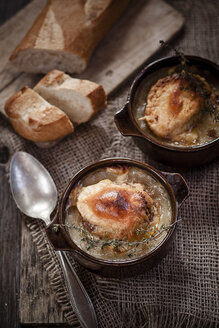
(158, 150)
(177, 189)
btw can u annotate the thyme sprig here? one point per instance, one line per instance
(150, 234)
(179, 52)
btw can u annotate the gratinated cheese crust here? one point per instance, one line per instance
(114, 210)
(172, 104)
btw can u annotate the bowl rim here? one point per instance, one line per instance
(137, 81)
(110, 162)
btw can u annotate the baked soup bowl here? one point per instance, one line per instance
(172, 111)
(118, 216)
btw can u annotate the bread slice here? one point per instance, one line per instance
(79, 99)
(172, 105)
(65, 34)
(35, 119)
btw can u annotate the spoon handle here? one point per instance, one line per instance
(80, 300)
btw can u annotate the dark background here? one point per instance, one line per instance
(9, 7)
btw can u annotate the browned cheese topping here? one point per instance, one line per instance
(172, 105)
(114, 210)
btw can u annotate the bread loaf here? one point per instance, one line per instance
(65, 35)
(35, 119)
(79, 99)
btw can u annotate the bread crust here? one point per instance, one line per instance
(35, 119)
(58, 80)
(65, 29)
(171, 105)
(97, 98)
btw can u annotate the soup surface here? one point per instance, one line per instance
(171, 111)
(118, 213)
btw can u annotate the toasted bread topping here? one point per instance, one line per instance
(172, 104)
(112, 209)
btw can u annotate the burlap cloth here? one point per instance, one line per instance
(182, 290)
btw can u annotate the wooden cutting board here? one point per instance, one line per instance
(131, 41)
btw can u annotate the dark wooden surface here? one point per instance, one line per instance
(10, 222)
(10, 239)
(10, 219)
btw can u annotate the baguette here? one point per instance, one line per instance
(65, 34)
(79, 99)
(35, 119)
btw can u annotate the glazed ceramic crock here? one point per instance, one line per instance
(178, 192)
(168, 154)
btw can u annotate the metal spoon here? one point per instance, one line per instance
(35, 194)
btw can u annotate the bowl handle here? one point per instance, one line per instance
(56, 236)
(123, 122)
(179, 186)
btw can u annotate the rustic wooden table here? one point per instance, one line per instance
(10, 239)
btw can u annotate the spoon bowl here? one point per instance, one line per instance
(32, 187)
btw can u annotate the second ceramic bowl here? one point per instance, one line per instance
(155, 148)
